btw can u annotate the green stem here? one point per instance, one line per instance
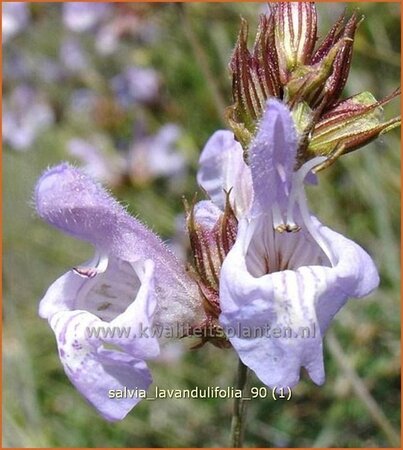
(238, 415)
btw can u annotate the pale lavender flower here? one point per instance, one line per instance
(287, 274)
(82, 104)
(15, 17)
(124, 23)
(149, 157)
(84, 16)
(73, 56)
(136, 85)
(133, 281)
(98, 163)
(157, 155)
(25, 115)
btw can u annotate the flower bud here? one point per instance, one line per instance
(295, 35)
(351, 124)
(210, 243)
(283, 64)
(255, 77)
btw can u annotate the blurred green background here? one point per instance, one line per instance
(359, 405)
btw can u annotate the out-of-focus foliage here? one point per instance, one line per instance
(138, 89)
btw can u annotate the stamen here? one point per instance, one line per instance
(278, 222)
(97, 265)
(297, 196)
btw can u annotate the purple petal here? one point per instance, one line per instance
(206, 214)
(15, 17)
(136, 85)
(83, 16)
(61, 295)
(223, 169)
(306, 297)
(138, 318)
(272, 157)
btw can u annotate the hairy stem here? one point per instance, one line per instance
(238, 415)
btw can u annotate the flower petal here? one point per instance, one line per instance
(223, 169)
(355, 275)
(96, 371)
(66, 292)
(138, 318)
(289, 301)
(207, 214)
(272, 157)
(70, 200)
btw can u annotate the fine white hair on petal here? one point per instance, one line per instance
(70, 200)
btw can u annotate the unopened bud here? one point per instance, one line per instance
(295, 35)
(350, 125)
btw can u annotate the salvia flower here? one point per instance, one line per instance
(83, 16)
(149, 156)
(136, 85)
(26, 114)
(133, 281)
(15, 17)
(286, 275)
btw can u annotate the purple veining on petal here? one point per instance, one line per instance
(284, 279)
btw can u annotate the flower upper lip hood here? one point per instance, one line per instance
(133, 283)
(71, 201)
(286, 271)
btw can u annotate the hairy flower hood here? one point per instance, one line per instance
(132, 283)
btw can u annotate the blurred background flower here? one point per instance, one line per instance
(15, 17)
(84, 16)
(131, 92)
(25, 114)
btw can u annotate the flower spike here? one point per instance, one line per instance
(284, 64)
